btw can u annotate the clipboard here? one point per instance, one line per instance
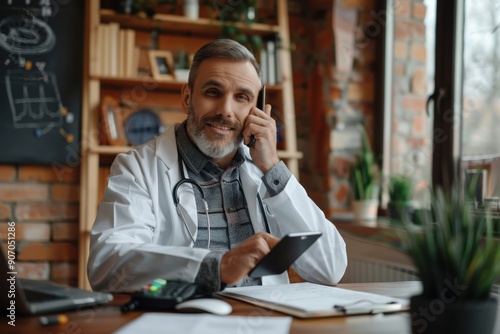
(309, 300)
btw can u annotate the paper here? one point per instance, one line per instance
(174, 323)
(313, 300)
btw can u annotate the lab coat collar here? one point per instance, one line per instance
(166, 147)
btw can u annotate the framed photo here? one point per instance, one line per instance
(112, 122)
(162, 64)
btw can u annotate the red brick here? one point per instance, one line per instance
(418, 142)
(55, 251)
(64, 270)
(27, 231)
(419, 81)
(44, 211)
(419, 11)
(418, 125)
(23, 192)
(33, 270)
(5, 212)
(418, 52)
(400, 50)
(414, 103)
(65, 231)
(402, 8)
(7, 173)
(399, 69)
(48, 174)
(402, 30)
(65, 193)
(406, 30)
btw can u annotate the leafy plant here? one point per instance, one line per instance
(455, 248)
(400, 188)
(364, 171)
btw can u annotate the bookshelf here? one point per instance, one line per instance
(135, 88)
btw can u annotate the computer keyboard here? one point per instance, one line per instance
(161, 295)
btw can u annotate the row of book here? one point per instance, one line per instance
(115, 53)
(269, 63)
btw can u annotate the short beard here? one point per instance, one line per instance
(211, 149)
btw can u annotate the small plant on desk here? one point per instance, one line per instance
(458, 261)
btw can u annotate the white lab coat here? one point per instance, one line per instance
(138, 235)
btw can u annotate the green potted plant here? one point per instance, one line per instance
(400, 197)
(364, 178)
(458, 261)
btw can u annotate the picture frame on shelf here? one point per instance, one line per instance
(162, 64)
(112, 122)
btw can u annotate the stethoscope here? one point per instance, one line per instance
(176, 201)
(196, 185)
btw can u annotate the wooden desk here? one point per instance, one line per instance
(108, 318)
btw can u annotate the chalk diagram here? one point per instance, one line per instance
(32, 92)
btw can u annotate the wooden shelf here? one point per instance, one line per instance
(113, 150)
(182, 25)
(156, 84)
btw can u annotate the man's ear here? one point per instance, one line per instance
(186, 98)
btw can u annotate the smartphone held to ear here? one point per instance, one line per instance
(261, 104)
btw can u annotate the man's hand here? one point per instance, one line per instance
(263, 127)
(237, 263)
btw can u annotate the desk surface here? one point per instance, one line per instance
(108, 318)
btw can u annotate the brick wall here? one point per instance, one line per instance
(334, 90)
(44, 206)
(411, 128)
(335, 77)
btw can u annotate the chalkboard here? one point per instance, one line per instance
(41, 70)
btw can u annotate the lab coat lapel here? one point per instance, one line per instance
(251, 188)
(167, 152)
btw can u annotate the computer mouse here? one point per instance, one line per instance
(208, 305)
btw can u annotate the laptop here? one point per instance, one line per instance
(26, 296)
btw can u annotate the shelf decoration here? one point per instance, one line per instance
(112, 123)
(162, 64)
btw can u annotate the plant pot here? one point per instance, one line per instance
(181, 75)
(365, 209)
(447, 315)
(398, 210)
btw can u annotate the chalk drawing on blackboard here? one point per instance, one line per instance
(34, 102)
(26, 35)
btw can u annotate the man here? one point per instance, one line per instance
(252, 199)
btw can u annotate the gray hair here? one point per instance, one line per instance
(221, 48)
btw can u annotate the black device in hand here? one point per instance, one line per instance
(261, 104)
(284, 254)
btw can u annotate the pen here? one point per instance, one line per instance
(369, 309)
(60, 319)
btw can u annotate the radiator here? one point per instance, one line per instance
(364, 271)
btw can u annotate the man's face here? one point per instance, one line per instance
(224, 92)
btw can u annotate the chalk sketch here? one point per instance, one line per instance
(34, 102)
(26, 35)
(33, 95)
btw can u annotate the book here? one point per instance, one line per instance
(309, 300)
(263, 65)
(271, 62)
(113, 45)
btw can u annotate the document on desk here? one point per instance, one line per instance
(175, 323)
(308, 300)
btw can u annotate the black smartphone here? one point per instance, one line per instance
(284, 254)
(261, 104)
